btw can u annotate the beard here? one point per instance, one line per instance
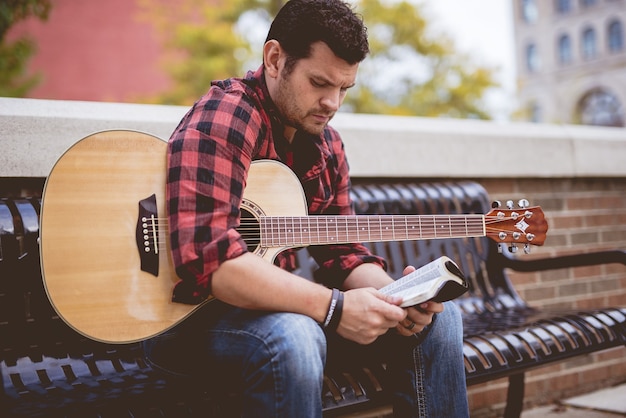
(292, 112)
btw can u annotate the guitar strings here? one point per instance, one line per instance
(453, 225)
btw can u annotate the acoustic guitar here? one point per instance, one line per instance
(104, 240)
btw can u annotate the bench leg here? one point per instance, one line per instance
(515, 396)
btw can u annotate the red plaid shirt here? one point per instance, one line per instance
(209, 154)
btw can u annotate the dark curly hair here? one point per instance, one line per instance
(300, 23)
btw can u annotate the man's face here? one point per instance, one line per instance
(310, 95)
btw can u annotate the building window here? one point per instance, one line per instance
(534, 112)
(532, 58)
(616, 36)
(565, 50)
(601, 108)
(589, 44)
(529, 11)
(563, 6)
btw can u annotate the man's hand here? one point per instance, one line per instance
(368, 314)
(418, 317)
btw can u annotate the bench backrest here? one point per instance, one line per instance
(490, 288)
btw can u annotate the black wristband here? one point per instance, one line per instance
(331, 307)
(333, 323)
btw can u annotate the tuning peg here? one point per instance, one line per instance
(513, 248)
(523, 203)
(496, 204)
(526, 248)
(528, 214)
(509, 204)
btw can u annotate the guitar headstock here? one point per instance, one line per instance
(525, 225)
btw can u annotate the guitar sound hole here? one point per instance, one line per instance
(250, 230)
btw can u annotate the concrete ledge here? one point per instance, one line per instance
(35, 133)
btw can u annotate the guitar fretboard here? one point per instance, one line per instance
(277, 231)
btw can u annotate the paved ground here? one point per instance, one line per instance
(605, 403)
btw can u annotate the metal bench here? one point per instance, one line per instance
(50, 370)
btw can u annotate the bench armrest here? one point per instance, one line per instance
(565, 261)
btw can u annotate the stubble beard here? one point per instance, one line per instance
(292, 113)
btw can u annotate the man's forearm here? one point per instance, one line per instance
(250, 282)
(367, 275)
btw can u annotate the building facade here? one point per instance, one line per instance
(571, 61)
(95, 51)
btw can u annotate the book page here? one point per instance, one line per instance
(426, 273)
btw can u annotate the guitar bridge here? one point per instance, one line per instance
(147, 235)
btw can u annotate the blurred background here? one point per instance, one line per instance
(557, 61)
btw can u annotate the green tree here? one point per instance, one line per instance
(407, 73)
(201, 43)
(14, 56)
(411, 73)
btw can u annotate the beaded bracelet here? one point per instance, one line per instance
(334, 311)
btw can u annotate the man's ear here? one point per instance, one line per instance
(272, 58)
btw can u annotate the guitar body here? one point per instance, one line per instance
(90, 255)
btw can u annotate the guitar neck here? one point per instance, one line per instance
(284, 231)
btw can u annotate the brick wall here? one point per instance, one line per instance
(584, 214)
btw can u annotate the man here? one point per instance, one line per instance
(270, 330)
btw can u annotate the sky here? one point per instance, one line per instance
(483, 29)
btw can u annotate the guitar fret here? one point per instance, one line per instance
(300, 228)
(428, 227)
(346, 228)
(326, 225)
(377, 232)
(406, 228)
(289, 231)
(317, 228)
(278, 231)
(285, 231)
(419, 221)
(308, 231)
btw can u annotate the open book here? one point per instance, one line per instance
(440, 280)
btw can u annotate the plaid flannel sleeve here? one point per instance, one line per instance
(208, 158)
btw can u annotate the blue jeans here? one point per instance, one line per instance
(276, 361)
